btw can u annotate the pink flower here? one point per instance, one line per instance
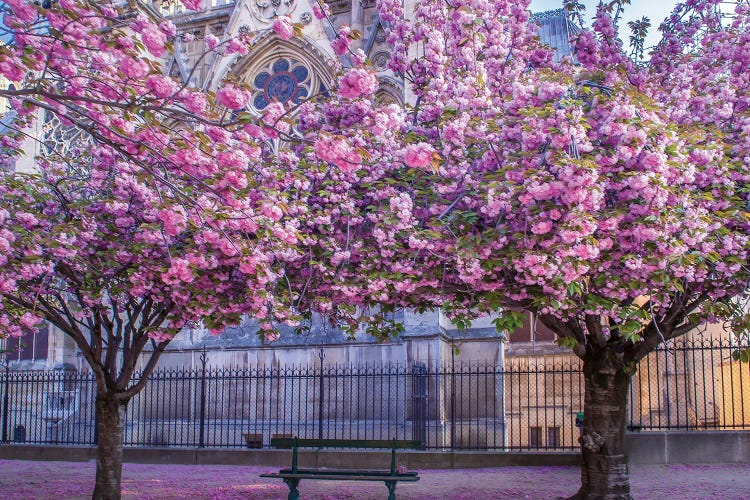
(195, 102)
(211, 41)
(27, 220)
(237, 180)
(168, 28)
(342, 42)
(273, 113)
(235, 159)
(273, 212)
(248, 265)
(29, 321)
(11, 71)
(160, 335)
(233, 97)
(272, 336)
(134, 68)
(319, 11)
(7, 285)
(174, 221)
(541, 227)
(161, 86)
(193, 4)
(337, 151)
(23, 10)
(125, 42)
(419, 155)
(154, 39)
(283, 27)
(358, 82)
(236, 46)
(340, 45)
(359, 57)
(179, 272)
(585, 251)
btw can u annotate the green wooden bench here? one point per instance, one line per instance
(293, 475)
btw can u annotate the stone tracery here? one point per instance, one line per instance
(284, 80)
(284, 71)
(266, 10)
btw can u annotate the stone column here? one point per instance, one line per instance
(358, 22)
(500, 394)
(61, 350)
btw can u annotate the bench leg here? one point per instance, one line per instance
(391, 489)
(293, 491)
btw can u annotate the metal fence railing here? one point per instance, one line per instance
(530, 403)
(691, 384)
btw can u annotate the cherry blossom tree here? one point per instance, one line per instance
(121, 267)
(605, 196)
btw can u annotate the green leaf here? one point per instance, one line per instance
(742, 355)
(509, 321)
(568, 342)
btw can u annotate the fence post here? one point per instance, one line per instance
(419, 403)
(202, 432)
(500, 395)
(322, 356)
(453, 397)
(6, 398)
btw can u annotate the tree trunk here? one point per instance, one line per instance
(604, 474)
(110, 413)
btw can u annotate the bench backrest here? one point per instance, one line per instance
(388, 444)
(393, 445)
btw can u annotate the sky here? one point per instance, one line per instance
(655, 10)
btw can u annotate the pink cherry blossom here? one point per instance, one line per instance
(232, 97)
(211, 41)
(320, 10)
(161, 86)
(283, 27)
(358, 82)
(237, 46)
(339, 152)
(193, 4)
(419, 155)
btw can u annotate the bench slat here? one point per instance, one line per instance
(288, 443)
(348, 472)
(340, 477)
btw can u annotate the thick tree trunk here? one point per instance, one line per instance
(110, 413)
(604, 474)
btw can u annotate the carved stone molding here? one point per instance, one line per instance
(380, 59)
(391, 91)
(339, 6)
(266, 10)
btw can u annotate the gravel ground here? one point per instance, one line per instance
(74, 480)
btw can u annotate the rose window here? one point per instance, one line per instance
(285, 80)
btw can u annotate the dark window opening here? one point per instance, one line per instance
(535, 437)
(30, 347)
(553, 437)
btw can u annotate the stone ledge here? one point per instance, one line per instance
(688, 447)
(670, 447)
(282, 458)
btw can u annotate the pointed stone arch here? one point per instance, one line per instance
(297, 68)
(391, 91)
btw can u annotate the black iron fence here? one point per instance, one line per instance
(528, 403)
